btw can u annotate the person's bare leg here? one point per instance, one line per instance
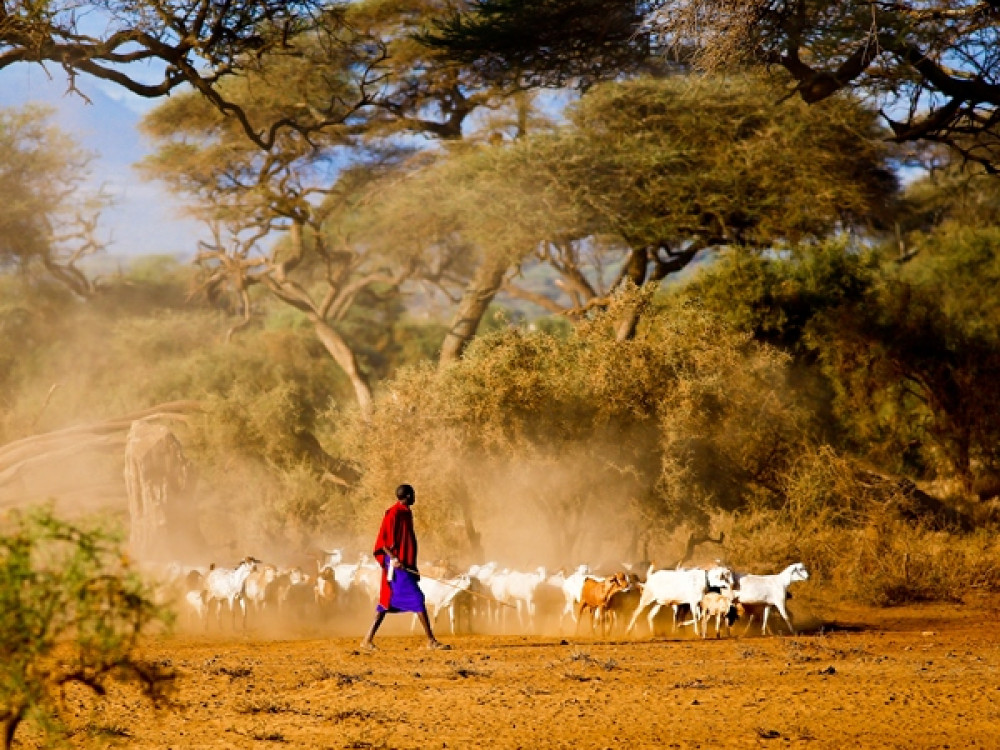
(366, 642)
(432, 642)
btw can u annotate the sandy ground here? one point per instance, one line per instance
(920, 676)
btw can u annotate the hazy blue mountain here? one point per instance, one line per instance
(145, 218)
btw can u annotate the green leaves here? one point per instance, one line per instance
(71, 610)
(545, 42)
(659, 164)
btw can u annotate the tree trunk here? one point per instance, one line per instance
(626, 326)
(346, 360)
(695, 539)
(478, 296)
(460, 497)
(159, 481)
(13, 720)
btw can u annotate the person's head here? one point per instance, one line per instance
(405, 494)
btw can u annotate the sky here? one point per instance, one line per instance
(145, 219)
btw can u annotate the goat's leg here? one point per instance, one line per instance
(652, 616)
(569, 609)
(696, 615)
(643, 603)
(784, 614)
(579, 618)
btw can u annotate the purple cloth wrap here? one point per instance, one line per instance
(405, 595)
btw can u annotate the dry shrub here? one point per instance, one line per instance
(863, 536)
(885, 561)
(563, 447)
(895, 562)
(824, 486)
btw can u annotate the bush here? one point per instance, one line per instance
(882, 561)
(580, 437)
(71, 611)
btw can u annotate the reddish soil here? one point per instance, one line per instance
(910, 677)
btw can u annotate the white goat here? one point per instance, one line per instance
(227, 585)
(368, 581)
(330, 559)
(720, 606)
(671, 587)
(572, 589)
(195, 602)
(520, 590)
(482, 576)
(497, 587)
(440, 595)
(769, 591)
(256, 586)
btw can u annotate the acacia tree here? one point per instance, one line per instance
(248, 196)
(899, 354)
(644, 177)
(50, 218)
(934, 65)
(431, 94)
(295, 188)
(424, 93)
(153, 47)
(305, 187)
(546, 43)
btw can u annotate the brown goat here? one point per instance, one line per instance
(596, 594)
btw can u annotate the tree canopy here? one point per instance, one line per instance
(153, 47)
(653, 171)
(934, 66)
(50, 213)
(545, 42)
(584, 432)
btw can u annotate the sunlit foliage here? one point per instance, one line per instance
(587, 433)
(50, 214)
(657, 170)
(72, 611)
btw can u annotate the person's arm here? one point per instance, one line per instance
(390, 554)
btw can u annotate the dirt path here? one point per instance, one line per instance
(921, 676)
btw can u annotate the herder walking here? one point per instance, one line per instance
(396, 551)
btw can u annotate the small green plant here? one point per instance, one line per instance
(71, 611)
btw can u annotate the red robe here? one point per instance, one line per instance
(396, 534)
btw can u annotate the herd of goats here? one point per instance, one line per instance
(484, 598)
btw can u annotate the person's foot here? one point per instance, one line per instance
(438, 646)
(367, 647)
